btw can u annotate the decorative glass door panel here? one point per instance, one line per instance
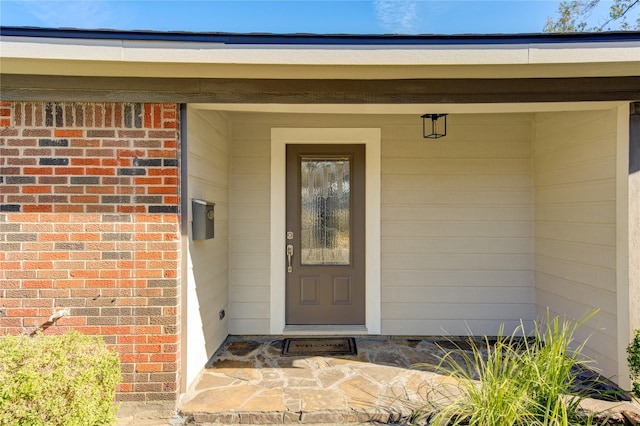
(325, 201)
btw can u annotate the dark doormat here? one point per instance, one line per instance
(319, 346)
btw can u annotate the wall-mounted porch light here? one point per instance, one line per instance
(433, 127)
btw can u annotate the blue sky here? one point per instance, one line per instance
(286, 16)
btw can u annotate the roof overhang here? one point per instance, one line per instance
(236, 68)
(187, 55)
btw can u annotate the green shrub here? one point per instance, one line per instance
(633, 357)
(514, 380)
(551, 361)
(499, 398)
(65, 379)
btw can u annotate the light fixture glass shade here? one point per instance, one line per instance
(434, 126)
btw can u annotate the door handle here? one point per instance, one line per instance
(289, 256)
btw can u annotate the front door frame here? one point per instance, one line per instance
(371, 138)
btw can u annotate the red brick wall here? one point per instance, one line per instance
(89, 198)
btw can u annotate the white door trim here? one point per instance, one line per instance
(371, 138)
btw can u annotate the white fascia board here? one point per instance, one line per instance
(324, 55)
(567, 53)
(216, 53)
(49, 48)
(121, 58)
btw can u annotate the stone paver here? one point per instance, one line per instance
(151, 414)
(249, 381)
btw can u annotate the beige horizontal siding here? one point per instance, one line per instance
(470, 229)
(575, 224)
(456, 221)
(249, 230)
(447, 261)
(451, 311)
(457, 227)
(208, 274)
(459, 182)
(443, 327)
(446, 293)
(468, 223)
(459, 278)
(461, 245)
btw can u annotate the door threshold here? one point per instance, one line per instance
(320, 330)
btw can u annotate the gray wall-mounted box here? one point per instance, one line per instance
(202, 219)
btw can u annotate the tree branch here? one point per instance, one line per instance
(613, 18)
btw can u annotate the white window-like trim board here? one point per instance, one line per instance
(371, 138)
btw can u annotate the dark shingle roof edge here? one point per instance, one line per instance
(320, 39)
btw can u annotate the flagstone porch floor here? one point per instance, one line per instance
(249, 381)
